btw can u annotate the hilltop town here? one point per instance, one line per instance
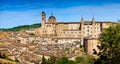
(53, 38)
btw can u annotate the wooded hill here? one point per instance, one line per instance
(23, 27)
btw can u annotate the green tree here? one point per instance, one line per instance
(43, 60)
(72, 62)
(65, 60)
(4, 56)
(51, 60)
(109, 49)
(85, 59)
(16, 60)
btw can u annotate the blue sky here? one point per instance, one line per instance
(23, 12)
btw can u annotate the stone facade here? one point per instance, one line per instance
(74, 30)
(90, 45)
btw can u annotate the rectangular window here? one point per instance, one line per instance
(95, 27)
(87, 30)
(87, 26)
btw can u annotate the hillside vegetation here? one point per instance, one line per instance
(23, 27)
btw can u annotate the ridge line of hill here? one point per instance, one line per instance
(22, 27)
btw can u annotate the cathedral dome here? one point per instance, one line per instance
(52, 19)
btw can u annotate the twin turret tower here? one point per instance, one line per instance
(43, 19)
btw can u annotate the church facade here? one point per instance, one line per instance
(71, 30)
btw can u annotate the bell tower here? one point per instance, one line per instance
(43, 19)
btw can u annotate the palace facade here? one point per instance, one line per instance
(72, 31)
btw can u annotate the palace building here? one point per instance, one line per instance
(83, 32)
